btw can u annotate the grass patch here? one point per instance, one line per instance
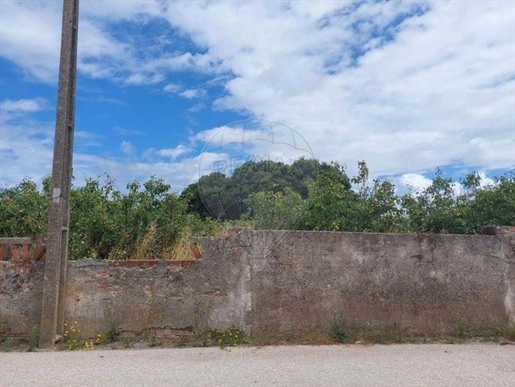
(230, 337)
(339, 332)
(10, 344)
(114, 333)
(33, 338)
(509, 333)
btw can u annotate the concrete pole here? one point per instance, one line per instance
(54, 285)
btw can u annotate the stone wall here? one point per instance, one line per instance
(425, 284)
(21, 272)
(276, 283)
(171, 298)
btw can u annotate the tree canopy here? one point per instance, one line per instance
(225, 197)
(150, 221)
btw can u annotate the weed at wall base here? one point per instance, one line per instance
(230, 337)
(33, 338)
(339, 332)
(509, 333)
(114, 333)
(71, 338)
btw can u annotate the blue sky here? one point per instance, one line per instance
(176, 89)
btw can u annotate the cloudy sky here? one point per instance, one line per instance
(180, 88)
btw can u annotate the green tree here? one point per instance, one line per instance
(94, 223)
(224, 197)
(276, 210)
(24, 209)
(378, 207)
(332, 204)
(494, 205)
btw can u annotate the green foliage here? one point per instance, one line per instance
(332, 205)
(148, 220)
(276, 210)
(114, 333)
(33, 341)
(229, 337)
(437, 209)
(93, 223)
(127, 342)
(152, 340)
(71, 338)
(509, 333)
(495, 205)
(24, 210)
(339, 332)
(225, 197)
(195, 204)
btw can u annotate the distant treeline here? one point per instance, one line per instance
(151, 221)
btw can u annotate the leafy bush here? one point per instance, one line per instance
(150, 221)
(24, 210)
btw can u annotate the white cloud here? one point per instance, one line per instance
(193, 93)
(31, 36)
(10, 108)
(409, 102)
(87, 138)
(127, 132)
(172, 88)
(23, 105)
(130, 10)
(26, 150)
(31, 32)
(154, 154)
(174, 152)
(225, 135)
(197, 107)
(176, 173)
(457, 188)
(26, 146)
(127, 148)
(416, 182)
(438, 88)
(485, 181)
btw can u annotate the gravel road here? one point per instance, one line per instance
(353, 365)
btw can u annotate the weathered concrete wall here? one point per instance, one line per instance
(426, 284)
(289, 282)
(20, 296)
(169, 298)
(22, 281)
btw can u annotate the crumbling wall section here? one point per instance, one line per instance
(277, 283)
(20, 297)
(168, 297)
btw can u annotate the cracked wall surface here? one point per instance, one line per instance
(274, 283)
(424, 284)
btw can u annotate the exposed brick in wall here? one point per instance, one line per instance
(21, 292)
(287, 282)
(22, 249)
(22, 252)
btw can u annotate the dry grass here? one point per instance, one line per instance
(144, 243)
(147, 247)
(181, 251)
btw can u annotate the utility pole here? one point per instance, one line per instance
(54, 285)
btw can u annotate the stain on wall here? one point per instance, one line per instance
(273, 283)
